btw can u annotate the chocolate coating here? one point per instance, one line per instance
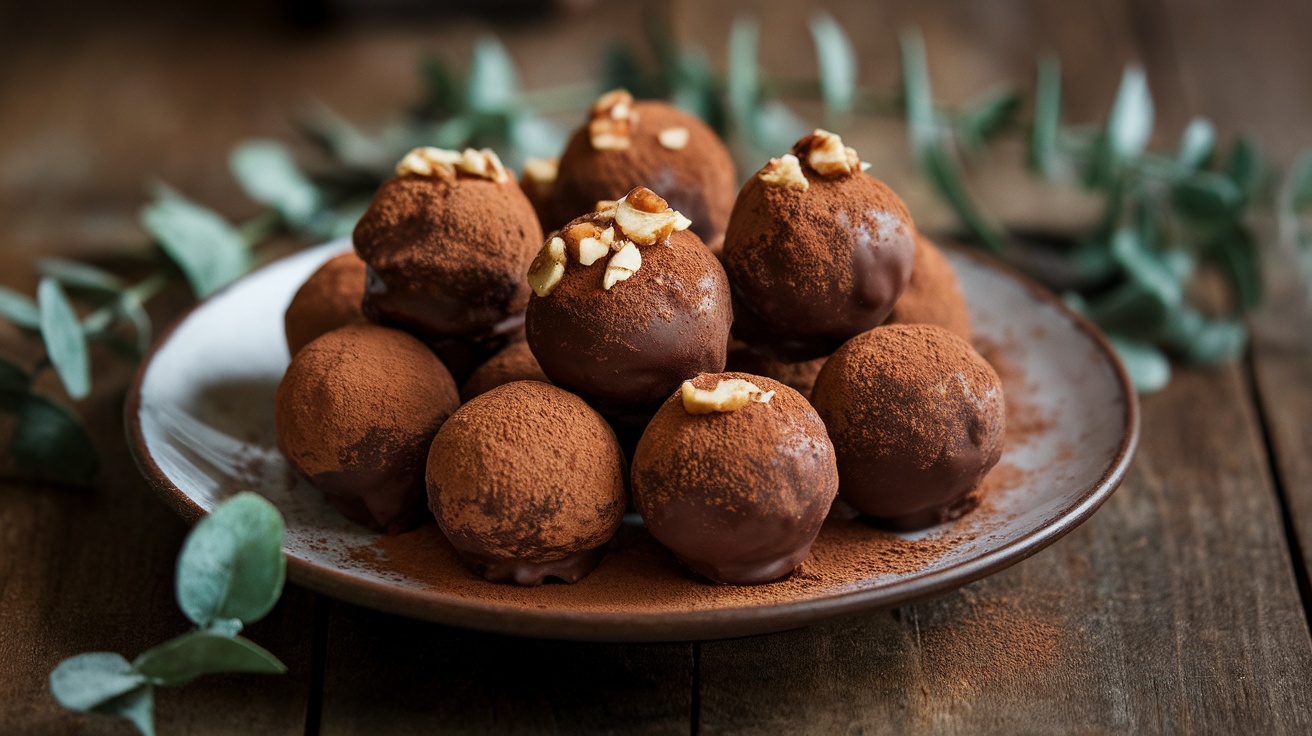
(527, 482)
(625, 349)
(329, 299)
(514, 363)
(917, 418)
(738, 496)
(798, 376)
(810, 269)
(447, 257)
(933, 296)
(355, 413)
(698, 180)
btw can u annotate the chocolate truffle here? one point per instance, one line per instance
(329, 299)
(627, 304)
(627, 144)
(798, 376)
(527, 482)
(735, 475)
(538, 181)
(917, 419)
(355, 414)
(447, 242)
(515, 362)
(933, 296)
(816, 251)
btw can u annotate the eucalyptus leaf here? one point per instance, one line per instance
(919, 97)
(1236, 252)
(1129, 126)
(231, 565)
(1129, 309)
(1149, 368)
(81, 276)
(1047, 117)
(1244, 166)
(743, 77)
(85, 681)
(137, 706)
(209, 251)
(444, 94)
(1207, 196)
(696, 89)
(66, 343)
(19, 309)
(946, 178)
(268, 174)
(990, 116)
(1197, 143)
(131, 308)
(492, 85)
(1145, 269)
(349, 145)
(182, 659)
(1205, 341)
(837, 63)
(50, 442)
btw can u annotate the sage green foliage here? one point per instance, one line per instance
(230, 573)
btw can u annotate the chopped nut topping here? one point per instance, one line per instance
(622, 265)
(539, 176)
(785, 171)
(673, 138)
(825, 153)
(548, 268)
(589, 242)
(613, 118)
(444, 164)
(646, 219)
(606, 207)
(729, 394)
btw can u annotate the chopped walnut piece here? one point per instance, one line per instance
(445, 164)
(646, 219)
(589, 242)
(612, 121)
(548, 268)
(825, 153)
(673, 138)
(622, 265)
(785, 171)
(729, 394)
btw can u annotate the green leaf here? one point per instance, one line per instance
(1129, 126)
(987, 118)
(81, 276)
(83, 682)
(776, 127)
(50, 442)
(621, 69)
(944, 175)
(1298, 185)
(1047, 117)
(19, 309)
(182, 659)
(743, 77)
(137, 706)
(919, 96)
(1148, 367)
(1207, 196)
(1145, 269)
(268, 174)
(492, 85)
(130, 306)
(1197, 143)
(231, 565)
(1236, 252)
(66, 343)
(209, 251)
(1245, 166)
(1205, 341)
(696, 88)
(443, 89)
(837, 62)
(344, 141)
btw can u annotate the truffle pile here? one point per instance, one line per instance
(593, 357)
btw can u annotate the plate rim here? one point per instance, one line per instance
(613, 626)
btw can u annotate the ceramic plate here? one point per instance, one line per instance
(201, 427)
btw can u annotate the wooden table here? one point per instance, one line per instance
(1180, 607)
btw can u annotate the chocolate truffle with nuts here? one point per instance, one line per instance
(628, 303)
(329, 299)
(735, 475)
(355, 414)
(447, 242)
(627, 144)
(816, 251)
(933, 296)
(527, 482)
(917, 419)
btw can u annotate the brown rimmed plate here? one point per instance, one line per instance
(200, 425)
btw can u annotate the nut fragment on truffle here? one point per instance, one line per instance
(446, 164)
(588, 242)
(785, 171)
(548, 267)
(826, 154)
(612, 120)
(673, 138)
(729, 394)
(646, 219)
(622, 265)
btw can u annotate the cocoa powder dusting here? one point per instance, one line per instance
(975, 641)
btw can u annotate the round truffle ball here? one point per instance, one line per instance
(527, 482)
(329, 299)
(917, 418)
(515, 362)
(798, 376)
(735, 479)
(933, 296)
(627, 144)
(355, 414)
(816, 251)
(651, 310)
(447, 242)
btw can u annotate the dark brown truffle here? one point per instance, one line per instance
(329, 299)
(628, 144)
(917, 419)
(447, 242)
(527, 482)
(515, 362)
(933, 296)
(355, 414)
(798, 376)
(738, 494)
(815, 255)
(664, 318)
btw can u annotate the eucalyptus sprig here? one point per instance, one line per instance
(230, 574)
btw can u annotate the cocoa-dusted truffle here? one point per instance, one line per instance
(447, 242)
(527, 482)
(798, 376)
(933, 296)
(515, 362)
(628, 303)
(816, 251)
(917, 419)
(627, 144)
(329, 299)
(735, 475)
(355, 413)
